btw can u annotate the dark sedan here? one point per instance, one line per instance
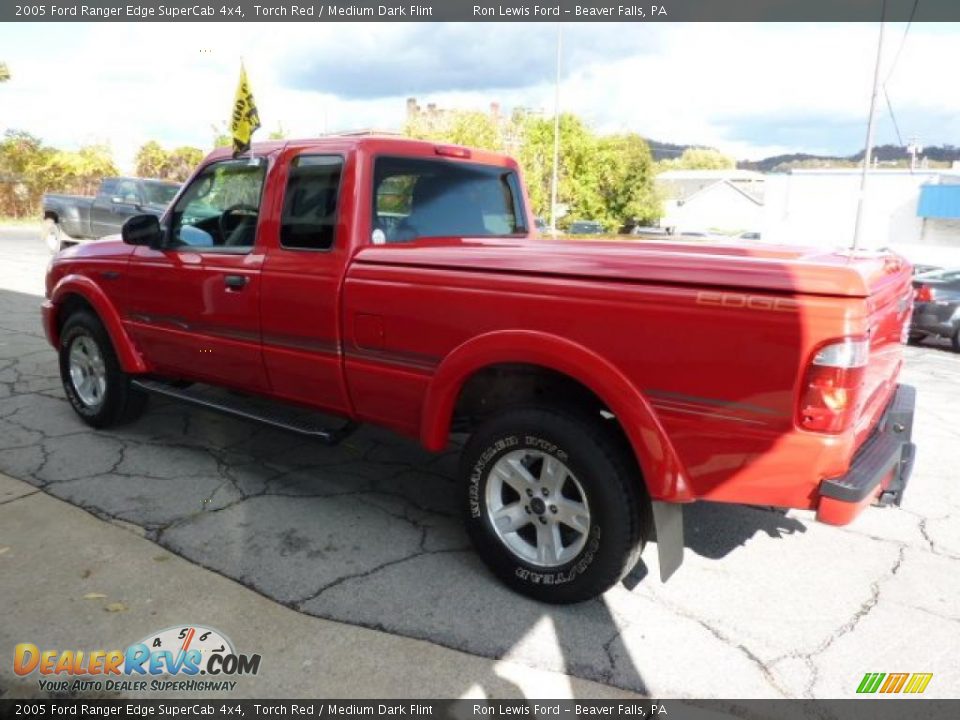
(585, 227)
(936, 306)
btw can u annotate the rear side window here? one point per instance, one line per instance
(415, 198)
(309, 219)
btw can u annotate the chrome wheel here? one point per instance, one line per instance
(88, 372)
(537, 508)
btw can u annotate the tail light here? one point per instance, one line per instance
(828, 402)
(924, 293)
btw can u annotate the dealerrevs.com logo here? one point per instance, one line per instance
(172, 659)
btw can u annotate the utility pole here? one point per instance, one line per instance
(556, 137)
(868, 150)
(915, 148)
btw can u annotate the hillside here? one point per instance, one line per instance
(885, 154)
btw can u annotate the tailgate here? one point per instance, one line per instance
(888, 309)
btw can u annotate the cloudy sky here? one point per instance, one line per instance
(750, 90)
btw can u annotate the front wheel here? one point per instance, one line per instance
(93, 381)
(53, 236)
(554, 504)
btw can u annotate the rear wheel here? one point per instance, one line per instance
(955, 340)
(93, 381)
(554, 504)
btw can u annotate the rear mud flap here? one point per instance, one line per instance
(668, 521)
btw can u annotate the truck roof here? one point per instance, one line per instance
(372, 143)
(142, 179)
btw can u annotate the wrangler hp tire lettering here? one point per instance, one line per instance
(554, 504)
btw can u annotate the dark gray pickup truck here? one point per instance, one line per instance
(71, 219)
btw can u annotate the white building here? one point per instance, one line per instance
(915, 213)
(724, 201)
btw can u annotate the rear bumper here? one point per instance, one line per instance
(881, 467)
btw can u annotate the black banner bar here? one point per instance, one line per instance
(874, 709)
(477, 11)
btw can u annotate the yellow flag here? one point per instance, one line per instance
(245, 119)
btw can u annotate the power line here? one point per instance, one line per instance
(903, 41)
(893, 67)
(893, 117)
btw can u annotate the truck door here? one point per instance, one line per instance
(193, 306)
(115, 202)
(302, 272)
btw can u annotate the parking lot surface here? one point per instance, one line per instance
(767, 604)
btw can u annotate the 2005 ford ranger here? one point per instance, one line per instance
(602, 385)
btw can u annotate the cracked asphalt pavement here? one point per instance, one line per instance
(767, 604)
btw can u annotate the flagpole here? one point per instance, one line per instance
(868, 150)
(556, 138)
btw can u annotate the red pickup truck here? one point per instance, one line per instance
(602, 385)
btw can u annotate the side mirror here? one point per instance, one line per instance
(143, 230)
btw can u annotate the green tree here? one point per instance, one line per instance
(475, 129)
(77, 172)
(150, 160)
(21, 156)
(578, 171)
(625, 179)
(181, 162)
(4, 72)
(699, 158)
(154, 161)
(608, 179)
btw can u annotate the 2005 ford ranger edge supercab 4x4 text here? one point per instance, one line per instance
(602, 385)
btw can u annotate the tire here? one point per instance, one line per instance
(93, 381)
(915, 338)
(600, 491)
(955, 340)
(53, 235)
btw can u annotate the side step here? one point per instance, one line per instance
(284, 417)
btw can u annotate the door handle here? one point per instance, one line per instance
(235, 282)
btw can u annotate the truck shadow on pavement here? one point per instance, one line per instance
(364, 533)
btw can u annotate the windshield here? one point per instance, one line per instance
(155, 193)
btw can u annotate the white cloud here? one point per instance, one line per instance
(750, 90)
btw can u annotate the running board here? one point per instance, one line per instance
(291, 419)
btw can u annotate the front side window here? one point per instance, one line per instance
(309, 219)
(415, 198)
(220, 208)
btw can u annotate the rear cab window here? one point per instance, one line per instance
(310, 203)
(417, 198)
